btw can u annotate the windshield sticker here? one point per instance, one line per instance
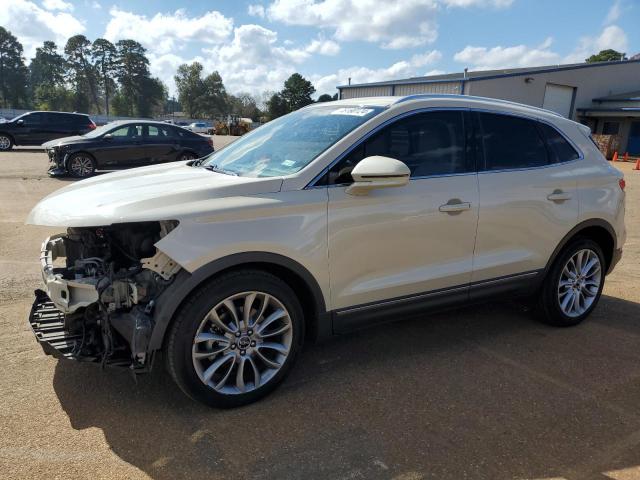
(288, 163)
(354, 111)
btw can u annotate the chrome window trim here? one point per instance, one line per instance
(375, 130)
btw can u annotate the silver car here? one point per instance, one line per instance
(334, 217)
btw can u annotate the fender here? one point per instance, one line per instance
(594, 222)
(172, 298)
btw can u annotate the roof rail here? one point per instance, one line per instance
(471, 97)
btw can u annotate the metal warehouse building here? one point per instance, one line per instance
(605, 96)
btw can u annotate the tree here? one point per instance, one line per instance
(82, 72)
(608, 55)
(214, 98)
(47, 78)
(136, 84)
(153, 94)
(325, 97)
(104, 56)
(277, 106)
(13, 72)
(297, 92)
(245, 105)
(190, 88)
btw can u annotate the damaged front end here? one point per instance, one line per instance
(101, 284)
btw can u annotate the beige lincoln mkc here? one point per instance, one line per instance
(338, 216)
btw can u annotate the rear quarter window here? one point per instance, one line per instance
(559, 148)
(509, 142)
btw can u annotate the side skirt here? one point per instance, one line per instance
(367, 315)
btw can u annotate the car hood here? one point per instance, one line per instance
(64, 141)
(170, 191)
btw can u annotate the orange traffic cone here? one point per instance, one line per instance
(637, 167)
(626, 156)
(615, 157)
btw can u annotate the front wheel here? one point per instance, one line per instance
(574, 284)
(235, 339)
(81, 165)
(187, 156)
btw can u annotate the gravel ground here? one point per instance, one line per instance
(483, 392)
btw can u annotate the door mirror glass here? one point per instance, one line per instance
(378, 172)
(108, 136)
(20, 122)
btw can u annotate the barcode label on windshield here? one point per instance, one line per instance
(355, 111)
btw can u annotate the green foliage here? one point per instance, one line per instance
(325, 97)
(608, 55)
(104, 56)
(245, 106)
(201, 97)
(13, 72)
(297, 92)
(82, 73)
(276, 106)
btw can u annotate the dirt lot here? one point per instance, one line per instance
(484, 392)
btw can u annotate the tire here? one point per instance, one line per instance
(81, 165)
(6, 142)
(187, 156)
(557, 302)
(208, 370)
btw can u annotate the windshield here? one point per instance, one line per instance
(288, 144)
(99, 131)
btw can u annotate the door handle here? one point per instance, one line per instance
(559, 196)
(455, 207)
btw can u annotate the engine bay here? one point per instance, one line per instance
(104, 281)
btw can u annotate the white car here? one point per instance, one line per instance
(331, 218)
(198, 127)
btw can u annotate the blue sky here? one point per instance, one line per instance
(257, 44)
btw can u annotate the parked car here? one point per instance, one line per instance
(124, 144)
(36, 128)
(334, 217)
(198, 127)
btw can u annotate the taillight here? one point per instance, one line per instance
(622, 184)
(210, 142)
(92, 126)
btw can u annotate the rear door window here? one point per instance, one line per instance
(36, 118)
(510, 142)
(559, 148)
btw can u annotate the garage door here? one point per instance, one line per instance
(558, 98)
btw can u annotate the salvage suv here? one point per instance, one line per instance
(337, 216)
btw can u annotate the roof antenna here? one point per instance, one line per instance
(464, 75)
(349, 81)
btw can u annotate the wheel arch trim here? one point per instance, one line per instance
(594, 222)
(185, 283)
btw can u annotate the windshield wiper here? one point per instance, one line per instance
(215, 168)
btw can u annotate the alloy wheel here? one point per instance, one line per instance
(5, 142)
(579, 283)
(81, 166)
(242, 343)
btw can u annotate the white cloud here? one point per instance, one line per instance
(256, 11)
(253, 61)
(323, 47)
(614, 13)
(402, 69)
(97, 5)
(163, 33)
(398, 24)
(394, 25)
(611, 36)
(483, 58)
(57, 5)
(32, 24)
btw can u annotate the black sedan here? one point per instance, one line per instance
(124, 144)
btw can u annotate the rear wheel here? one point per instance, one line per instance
(574, 284)
(6, 142)
(81, 165)
(235, 339)
(187, 156)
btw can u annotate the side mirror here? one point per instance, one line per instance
(378, 172)
(20, 123)
(108, 136)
